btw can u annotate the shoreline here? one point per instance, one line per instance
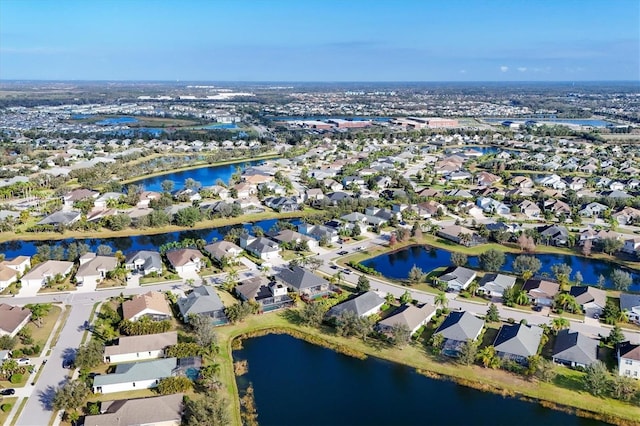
(495, 381)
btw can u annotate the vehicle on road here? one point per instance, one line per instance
(343, 252)
(537, 308)
(333, 267)
(346, 271)
(67, 363)
(7, 392)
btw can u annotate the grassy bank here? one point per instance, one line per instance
(564, 393)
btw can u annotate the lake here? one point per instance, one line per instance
(575, 121)
(207, 176)
(398, 263)
(12, 249)
(116, 121)
(297, 383)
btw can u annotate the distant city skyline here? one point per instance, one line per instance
(329, 40)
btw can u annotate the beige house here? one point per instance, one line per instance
(157, 411)
(48, 270)
(185, 261)
(152, 304)
(94, 269)
(20, 264)
(140, 348)
(7, 276)
(12, 319)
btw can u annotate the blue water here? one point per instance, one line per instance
(222, 126)
(297, 383)
(155, 132)
(325, 117)
(397, 264)
(115, 121)
(12, 249)
(207, 176)
(578, 121)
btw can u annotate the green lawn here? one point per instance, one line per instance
(40, 335)
(5, 414)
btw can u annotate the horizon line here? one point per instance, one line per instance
(13, 80)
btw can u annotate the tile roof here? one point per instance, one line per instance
(152, 300)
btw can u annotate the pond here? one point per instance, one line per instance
(12, 249)
(207, 176)
(298, 383)
(398, 263)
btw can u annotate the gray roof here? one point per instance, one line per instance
(358, 305)
(497, 282)
(137, 371)
(460, 326)
(60, 217)
(151, 259)
(576, 347)
(201, 300)
(459, 274)
(629, 301)
(409, 315)
(144, 343)
(141, 411)
(300, 278)
(263, 245)
(518, 339)
(586, 294)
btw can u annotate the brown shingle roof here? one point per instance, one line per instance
(152, 300)
(11, 317)
(181, 257)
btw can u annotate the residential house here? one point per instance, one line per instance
(186, 261)
(314, 194)
(489, 205)
(521, 182)
(593, 210)
(410, 316)
(554, 234)
(135, 375)
(630, 303)
(494, 285)
(363, 305)
(261, 247)
(7, 276)
(12, 319)
(557, 207)
(627, 216)
(61, 218)
(163, 410)
(45, 272)
(139, 348)
(203, 300)
(574, 349)
(20, 264)
(631, 245)
(269, 295)
(517, 342)
(487, 179)
(529, 209)
(629, 360)
(458, 328)
(94, 268)
(454, 233)
(152, 305)
(319, 232)
(303, 282)
(541, 292)
(78, 195)
(293, 238)
(223, 250)
(429, 209)
(103, 201)
(282, 204)
(146, 197)
(144, 262)
(592, 300)
(457, 278)
(245, 190)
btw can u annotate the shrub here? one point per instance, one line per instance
(511, 320)
(6, 407)
(15, 378)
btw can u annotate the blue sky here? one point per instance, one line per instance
(311, 40)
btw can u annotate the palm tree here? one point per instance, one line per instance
(488, 357)
(522, 298)
(559, 324)
(473, 287)
(441, 300)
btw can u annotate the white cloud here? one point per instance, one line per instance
(463, 71)
(504, 68)
(522, 69)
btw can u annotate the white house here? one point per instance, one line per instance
(630, 303)
(631, 245)
(137, 375)
(20, 264)
(94, 269)
(139, 348)
(186, 261)
(38, 276)
(629, 360)
(7, 276)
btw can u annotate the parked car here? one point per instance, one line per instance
(537, 308)
(67, 363)
(343, 252)
(24, 361)
(7, 392)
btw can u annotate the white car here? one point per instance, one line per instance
(24, 361)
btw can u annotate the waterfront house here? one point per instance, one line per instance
(631, 245)
(494, 285)
(517, 342)
(144, 262)
(363, 305)
(7, 276)
(223, 249)
(163, 410)
(592, 300)
(408, 315)
(319, 232)
(457, 278)
(303, 282)
(630, 303)
(94, 268)
(12, 319)
(269, 295)
(574, 349)
(45, 272)
(261, 247)
(554, 234)
(627, 216)
(152, 305)
(203, 300)
(134, 376)
(292, 239)
(629, 360)
(61, 218)
(454, 233)
(456, 329)
(541, 292)
(186, 261)
(139, 348)
(282, 204)
(20, 264)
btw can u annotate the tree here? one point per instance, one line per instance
(611, 312)
(356, 231)
(621, 279)
(312, 314)
(437, 342)
(578, 278)
(596, 379)
(416, 276)
(545, 369)
(188, 216)
(204, 330)
(441, 300)
(624, 388)
(176, 384)
(71, 396)
(559, 323)
(458, 259)
(492, 260)
(405, 298)
(239, 311)
(566, 302)
(561, 271)
(616, 336)
(38, 311)
(526, 243)
(400, 334)
(7, 342)
(89, 355)
(104, 250)
(489, 357)
(601, 281)
(468, 352)
(363, 284)
(347, 324)
(587, 247)
(509, 296)
(167, 185)
(529, 265)
(493, 315)
(184, 350)
(208, 411)
(611, 245)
